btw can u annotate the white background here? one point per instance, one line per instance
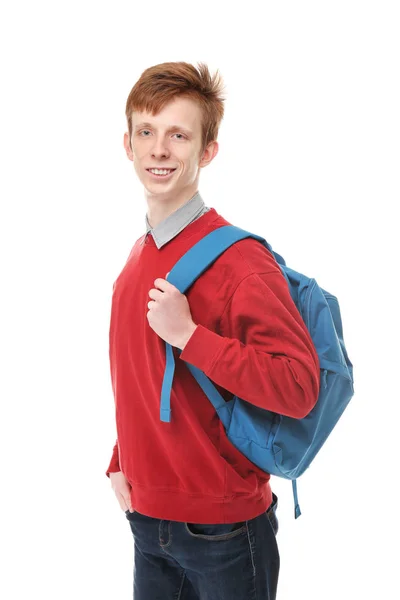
(309, 159)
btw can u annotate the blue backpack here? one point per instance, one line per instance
(277, 444)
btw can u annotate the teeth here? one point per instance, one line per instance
(161, 171)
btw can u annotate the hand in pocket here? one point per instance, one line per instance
(122, 490)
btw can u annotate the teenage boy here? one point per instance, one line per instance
(203, 516)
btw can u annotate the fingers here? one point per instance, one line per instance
(124, 501)
(127, 504)
(122, 490)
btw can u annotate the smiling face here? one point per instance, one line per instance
(169, 140)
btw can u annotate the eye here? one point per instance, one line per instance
(147, 131)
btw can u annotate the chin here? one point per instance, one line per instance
(157, 188)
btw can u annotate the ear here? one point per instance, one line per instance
(209, 154)
(128, 150)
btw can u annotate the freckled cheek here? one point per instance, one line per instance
(140, 154)
(191, 166)
(139, 151)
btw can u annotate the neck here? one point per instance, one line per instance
(160, 207)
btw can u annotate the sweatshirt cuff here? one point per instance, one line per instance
(202, 349)
(114, 467)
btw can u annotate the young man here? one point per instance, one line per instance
(202, 515)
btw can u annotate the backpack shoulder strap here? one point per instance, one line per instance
(185, 272)
(200, 256)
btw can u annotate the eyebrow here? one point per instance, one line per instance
(172, 128)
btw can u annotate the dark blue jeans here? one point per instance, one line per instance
(192, 561)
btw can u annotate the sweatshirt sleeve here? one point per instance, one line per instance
(114, 467)
(266, 355)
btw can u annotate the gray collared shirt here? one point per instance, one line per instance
(166, 230)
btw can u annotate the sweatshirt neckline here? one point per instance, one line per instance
(192, 229)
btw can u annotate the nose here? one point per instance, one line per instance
(160, 148)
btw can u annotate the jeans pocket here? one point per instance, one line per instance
(216, 532)
(271, 514)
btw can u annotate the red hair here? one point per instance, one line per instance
(159, 84)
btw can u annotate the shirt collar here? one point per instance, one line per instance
(176, 221)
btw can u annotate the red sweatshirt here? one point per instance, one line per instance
(250, 341)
